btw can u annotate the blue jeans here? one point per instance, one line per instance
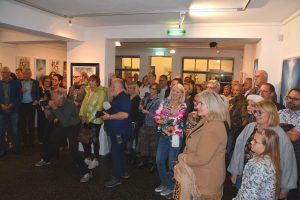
(14, 118)
(119, 163)
(165, 152)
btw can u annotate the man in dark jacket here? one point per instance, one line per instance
(30, 98)
(10, 99)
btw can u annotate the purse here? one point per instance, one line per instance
(85, 134)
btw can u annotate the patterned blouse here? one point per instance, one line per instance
(259, 180)
(170, 119)
(287, 116)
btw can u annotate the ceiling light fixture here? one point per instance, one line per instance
(172, 51)
(118, 44)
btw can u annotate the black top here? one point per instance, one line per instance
(135, 102)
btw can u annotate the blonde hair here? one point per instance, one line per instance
(136, 89)
(270, 140)
(181, 88)
(270, 108)
(216, 106)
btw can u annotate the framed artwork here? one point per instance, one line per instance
(89, 68)
(54, 66)
(23, 62)
(64, 83)
(290, 76)
(40, 68)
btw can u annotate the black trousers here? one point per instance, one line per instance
(57, 137)
(26, 123)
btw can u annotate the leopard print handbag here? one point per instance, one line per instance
(176, 193)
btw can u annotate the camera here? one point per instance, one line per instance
(43, 103)
(99, 114)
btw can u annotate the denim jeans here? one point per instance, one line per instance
(165, 152)
(13, 117)
(119, 163)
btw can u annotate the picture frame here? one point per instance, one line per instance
(40, 68)
(89, 68)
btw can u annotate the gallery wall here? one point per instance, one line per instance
(10, 54)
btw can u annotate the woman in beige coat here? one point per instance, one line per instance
(205, 148)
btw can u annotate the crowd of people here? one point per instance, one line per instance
(189, 133)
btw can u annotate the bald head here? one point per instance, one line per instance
(261, 77)
(117, 86)
(5, 72)
(77, 77)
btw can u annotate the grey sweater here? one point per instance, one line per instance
(287, 157)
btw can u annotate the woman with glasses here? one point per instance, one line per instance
(266, 118)
(205, 149)
(92, 102)
(169, 118)
(148, 137)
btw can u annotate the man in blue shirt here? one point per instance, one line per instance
(118, 127)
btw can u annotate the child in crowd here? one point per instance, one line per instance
(261, 176)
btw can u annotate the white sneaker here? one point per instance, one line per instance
(166, 192)
(95, 163)
(41, 163)
(88, 161)
(160, 188)
(86, 177)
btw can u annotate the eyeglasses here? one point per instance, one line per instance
(76, 76)
(255, 142)
(153, 88)
(258, 112)
(161, 80)
(291, 98)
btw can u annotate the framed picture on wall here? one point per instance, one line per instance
(40, 68)
(23, 62)
(88, 68)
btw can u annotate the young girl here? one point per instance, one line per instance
(261, 176)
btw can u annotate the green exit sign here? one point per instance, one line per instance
(176, 32)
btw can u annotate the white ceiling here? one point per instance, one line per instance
(93, 13)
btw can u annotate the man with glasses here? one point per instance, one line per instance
(77, 90)
(267, 91)
(291, 116)
(10, 99)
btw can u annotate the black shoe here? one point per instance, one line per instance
(113, 182)
(125, 176)
(152, 169)
(141, 164)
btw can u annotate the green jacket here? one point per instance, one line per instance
(93, 102)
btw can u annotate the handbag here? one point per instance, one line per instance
(104, 142)
(85, 134)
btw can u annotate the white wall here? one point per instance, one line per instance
(98, 44)
(290, 31)
(249, 57)
(9, 53)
